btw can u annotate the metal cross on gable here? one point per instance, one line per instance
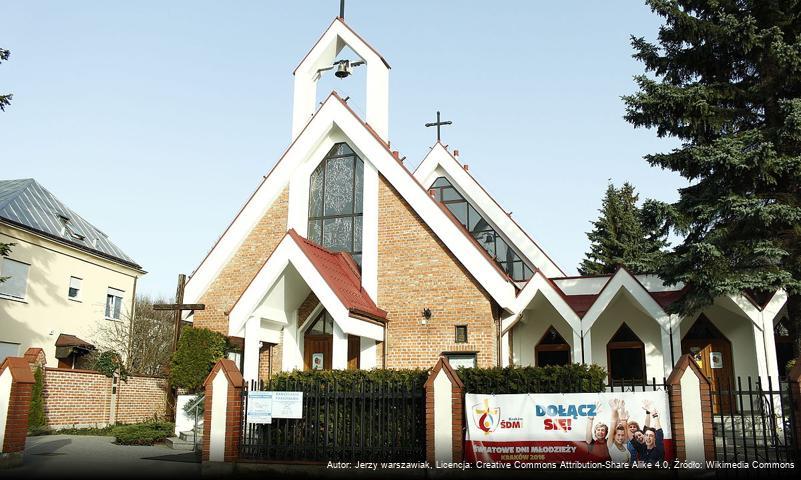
(342, 9)
(438, 124)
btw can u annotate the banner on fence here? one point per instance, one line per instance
(287, 404)
(260, 407)
(569, 427)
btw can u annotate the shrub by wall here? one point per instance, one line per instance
(348, 379)
(198, 350)
(574, 378)
(36, 415)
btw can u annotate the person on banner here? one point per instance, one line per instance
(654, 450)
(597, 446)
(617, 442)
(636, 443)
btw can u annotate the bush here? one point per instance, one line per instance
(36, 415)
(146, 433)
(574, 378)
(198, 350)
(347, 379)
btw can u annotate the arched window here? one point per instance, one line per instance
(552, 349)
(625, 357)
(335, 202)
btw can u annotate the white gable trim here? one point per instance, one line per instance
(288, 252)
(623, 280)
(539, 283)
(334, 114)
(427, 172)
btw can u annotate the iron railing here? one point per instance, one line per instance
(363, 420)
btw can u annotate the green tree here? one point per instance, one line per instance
(5, 99)
(724, 77)
(36, 414)
(625, 235)
(197, 352)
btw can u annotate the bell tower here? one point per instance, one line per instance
(323, 59)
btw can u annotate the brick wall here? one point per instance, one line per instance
(415, 271)
(243, 266)
(83, 398)
(141, 398)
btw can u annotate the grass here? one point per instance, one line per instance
(145, 433)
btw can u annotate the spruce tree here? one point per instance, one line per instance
(724, 77)
(624, 235)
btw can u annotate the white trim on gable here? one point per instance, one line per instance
(440, 158)
(288, 252)
(334, 113)
(539, 283)
(623, 280)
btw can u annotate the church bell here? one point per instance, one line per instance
(343, 69)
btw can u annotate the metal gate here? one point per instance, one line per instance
(754, 421)
(364, 420)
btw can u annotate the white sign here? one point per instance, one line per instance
(260, 407)
(716, 359)
(287, 404)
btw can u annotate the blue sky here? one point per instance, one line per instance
(156, 120)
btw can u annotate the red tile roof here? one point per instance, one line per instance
(341, 273)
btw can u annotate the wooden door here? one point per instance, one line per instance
(316, 345)
(354, 352)
(714, 357)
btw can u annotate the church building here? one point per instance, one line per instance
(344, 258)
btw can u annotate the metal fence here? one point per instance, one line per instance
(364, 420)
(754, 421)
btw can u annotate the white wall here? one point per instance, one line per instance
(528, 332)
(623, 309)
(47, 311)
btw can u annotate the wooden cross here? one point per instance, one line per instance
(438, 124)
(178, 308)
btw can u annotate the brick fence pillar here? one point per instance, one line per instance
(16, 383)
(691, 412)
(222, 419)
(444, 392)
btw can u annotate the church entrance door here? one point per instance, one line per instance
(711, 350)
(318, 343)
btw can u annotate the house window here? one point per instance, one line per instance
(335, 202)
(461, 333)
(625, 354)
(16, 278)
(552, 349)
(75, 288)
(481, 230)
(8, 349)
(461, 359)
(114, 303)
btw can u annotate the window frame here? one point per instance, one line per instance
(439, 187)
(10, 296)
(552, 347)
(356, 212)
(119, 297)
(456, 334)
(77, 297)
(625, 345)
(471, 354)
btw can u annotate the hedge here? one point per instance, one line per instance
(347, 379)
(198, 350)
(574, 378)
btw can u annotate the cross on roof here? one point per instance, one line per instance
(342, 9)
(438, 124)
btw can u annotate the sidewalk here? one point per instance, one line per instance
(72, 456)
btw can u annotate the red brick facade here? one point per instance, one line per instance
(84, 398)
(243, 266)
(416, 271)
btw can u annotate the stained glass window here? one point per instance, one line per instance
(335, 202)
(508, 259)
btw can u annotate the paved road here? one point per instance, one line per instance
(68, 456)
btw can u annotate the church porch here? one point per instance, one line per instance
(306, 303)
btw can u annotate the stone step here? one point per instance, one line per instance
(189, 435)
(178, 444)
